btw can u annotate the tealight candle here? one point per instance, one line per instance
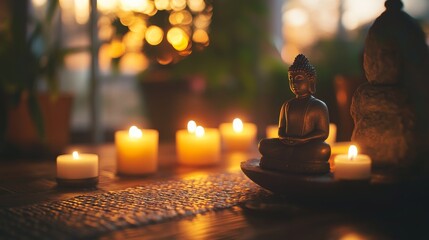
(77, 169)
(336, 149)
(352, 166)
(272, 131)
(136, 151)
(197, 146)
(238, 136)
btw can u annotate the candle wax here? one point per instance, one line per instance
(85, 166)
(198, 150)
(357, 169)
(238, 141)
(137, 155)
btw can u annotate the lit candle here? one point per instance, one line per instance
(136, 151)
(272, 131)
(336, 149)
(238, 136)
(352, 166)
(77, 169)
(340, 148)
(332, 137)
(197, 146)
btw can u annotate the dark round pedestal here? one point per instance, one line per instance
(77, 183)
(382, 189)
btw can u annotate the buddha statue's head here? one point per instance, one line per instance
(302, 77)
(395, 47)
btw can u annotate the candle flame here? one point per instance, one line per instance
(199, 131)
(192, 126)
(135, 132)
(75, 155)
(353, 152)
(237, 125)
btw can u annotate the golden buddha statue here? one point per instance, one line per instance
(303, 127)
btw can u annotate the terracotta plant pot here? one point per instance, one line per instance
(21, 134)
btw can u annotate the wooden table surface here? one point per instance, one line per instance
(26, 182)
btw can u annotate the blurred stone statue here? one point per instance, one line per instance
(390, 111)
(303, 127)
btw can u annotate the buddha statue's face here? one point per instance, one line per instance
(299, 83)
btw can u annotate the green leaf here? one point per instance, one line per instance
(36, 115)
(52, 7)
(34, 35)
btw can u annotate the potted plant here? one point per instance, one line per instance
(30, 122)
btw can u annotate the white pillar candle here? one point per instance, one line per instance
(77, 166)
(136, 151)
(352, 166)
(197, 146)
(238, 136)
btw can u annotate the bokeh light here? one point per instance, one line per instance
(81, 11)
(186, 27)
(295, 17)
(138, 26)
(134, 5)
(105, 27)
(133, 62)
(133, 41)
(202, 21)
(178, 38)
(107, 6)
(154, 35)
(162, 4)
(67, 5)
(353, 18)
(117, 48)
(151, 9)
(39, 3)
(127, 18)
(180, 18)
(165, 59)
(178, 5)
(186, 52)
(196, 5)
(200, 36)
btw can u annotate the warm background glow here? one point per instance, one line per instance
(139, 39)
(154, 35)
(189, 22)
(306, 21)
